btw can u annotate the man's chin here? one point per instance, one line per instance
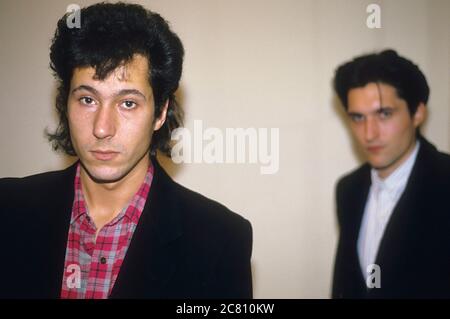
(105, 178)
(379, 165)
(103, 175)
(382, 166)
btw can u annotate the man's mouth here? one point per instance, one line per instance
(374, 149)
(104, 155)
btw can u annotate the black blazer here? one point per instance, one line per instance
(414, 253)
(185, 245)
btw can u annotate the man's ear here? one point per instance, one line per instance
(162, 118)
(420, 115)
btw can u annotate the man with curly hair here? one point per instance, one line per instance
(114, 224)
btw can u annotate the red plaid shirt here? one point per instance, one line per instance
(91, 266)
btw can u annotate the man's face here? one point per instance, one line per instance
(382, 125)
(112, 120)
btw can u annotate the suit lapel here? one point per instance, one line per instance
(361, 193)
(351, 198)
(358, 205)
(54, 219)
(404, 219)
(154, 251)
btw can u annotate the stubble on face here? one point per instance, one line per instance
(111, 121)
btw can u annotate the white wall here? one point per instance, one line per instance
(252, 63)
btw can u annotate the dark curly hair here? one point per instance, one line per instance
(109, 36)
(385, 67)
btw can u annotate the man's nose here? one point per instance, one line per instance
(371, 129)
(104, 123)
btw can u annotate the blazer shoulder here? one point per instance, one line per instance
(353, 178)
(203, 210)
(15, 188)
(32, 180)
(443, 160)
(219, 243)
(438, 175)
(433, 164)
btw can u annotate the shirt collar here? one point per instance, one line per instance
(132, 210)
(79, 207)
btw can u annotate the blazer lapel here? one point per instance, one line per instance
(154, 250)
(361, 193)
(54, 219)
(404, 220)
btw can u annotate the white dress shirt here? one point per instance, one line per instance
(383, 197)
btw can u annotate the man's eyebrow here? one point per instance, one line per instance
(85, 87)
(386, 108)
(377, 111)
(351, 113)
(131, 91)
(119, 93)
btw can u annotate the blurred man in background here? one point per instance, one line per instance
(393, 211)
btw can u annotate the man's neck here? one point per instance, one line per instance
(106, 200)
(388, 171)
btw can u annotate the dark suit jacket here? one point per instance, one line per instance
(185, 245)
(414, 253)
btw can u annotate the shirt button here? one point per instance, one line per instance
(103, 260)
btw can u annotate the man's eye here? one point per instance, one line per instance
(384, 114)
(356, 118)
(128, 104)
(87, 100)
